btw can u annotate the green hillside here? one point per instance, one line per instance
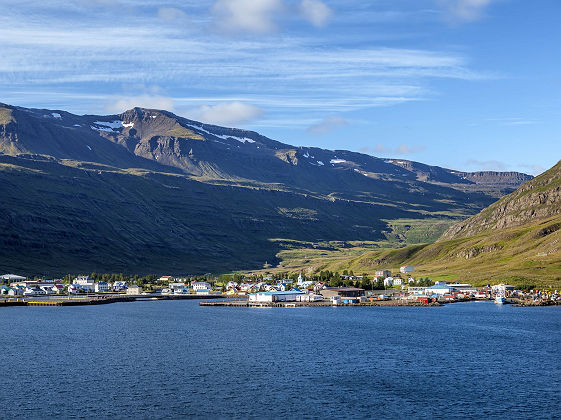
(516, 240)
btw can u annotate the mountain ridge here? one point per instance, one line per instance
(170, 192)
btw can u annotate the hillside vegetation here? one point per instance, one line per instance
(147, 191)
(516, 240)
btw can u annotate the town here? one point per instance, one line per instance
(386, 289)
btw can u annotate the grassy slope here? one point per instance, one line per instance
(527, 255)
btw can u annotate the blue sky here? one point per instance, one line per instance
(465, 84)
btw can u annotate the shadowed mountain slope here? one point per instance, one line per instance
(148, 191)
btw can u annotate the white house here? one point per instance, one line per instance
(201, 285)
(101, 287)
(74, 288)
(388, 281)
(86, 283)
(383, 273)
(397, 281)
(407, 269)
(165, 278)
(134, 290)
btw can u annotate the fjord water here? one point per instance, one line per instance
(166, 359)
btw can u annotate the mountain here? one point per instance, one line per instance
(536, 200)
(515, 240)
(148, 191)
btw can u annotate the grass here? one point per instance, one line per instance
(6, 116)
(524, 257)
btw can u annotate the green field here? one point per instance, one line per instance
(525, 256)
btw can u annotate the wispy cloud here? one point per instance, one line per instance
(327, 125)
(464, 10)
(173, 15)
(316, 12)
(228, 113)
(246, 15)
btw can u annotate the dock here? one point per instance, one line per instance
(324, 303)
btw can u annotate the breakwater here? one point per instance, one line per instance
(246, 304)
(53, 301)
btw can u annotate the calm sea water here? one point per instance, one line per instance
(170, 359)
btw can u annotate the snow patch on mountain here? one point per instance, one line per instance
(333, 161)
(223, 136)
(110, 126)
(56, 115)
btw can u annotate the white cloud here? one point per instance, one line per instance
(172, 14)
(226, 113)
(315, 12)
(327, 125)
(119, 104)
(246, 15)
(532, 169)
(464, 10)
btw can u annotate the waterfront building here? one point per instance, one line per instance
(309, 297)
(74, 288)
(288, 296)
(201, 285)
(343, 292)
(86, 283)
(407, 269)
(119, 286)
(383, 273)
(134, 290)
(101, 287)
(439, 289)
(176, 287)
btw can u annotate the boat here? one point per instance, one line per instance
(500, 298)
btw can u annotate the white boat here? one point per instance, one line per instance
(500, 298)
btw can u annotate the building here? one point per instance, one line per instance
(134, 290)
(388, 281)
(416, 290)
(309, 297)
(176, 287)
(9, 278)
(343, 292)
(383, 273)
(119, 286)
(165, 279)
(439, 289)
(464, 288)
(86, 283)
(289, 296)
(407, 269)
(101, 287)
(397, 281)
(201, 285)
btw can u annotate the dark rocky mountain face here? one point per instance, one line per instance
(147, 190)
(536, 200)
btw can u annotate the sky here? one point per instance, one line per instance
(464, 84)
